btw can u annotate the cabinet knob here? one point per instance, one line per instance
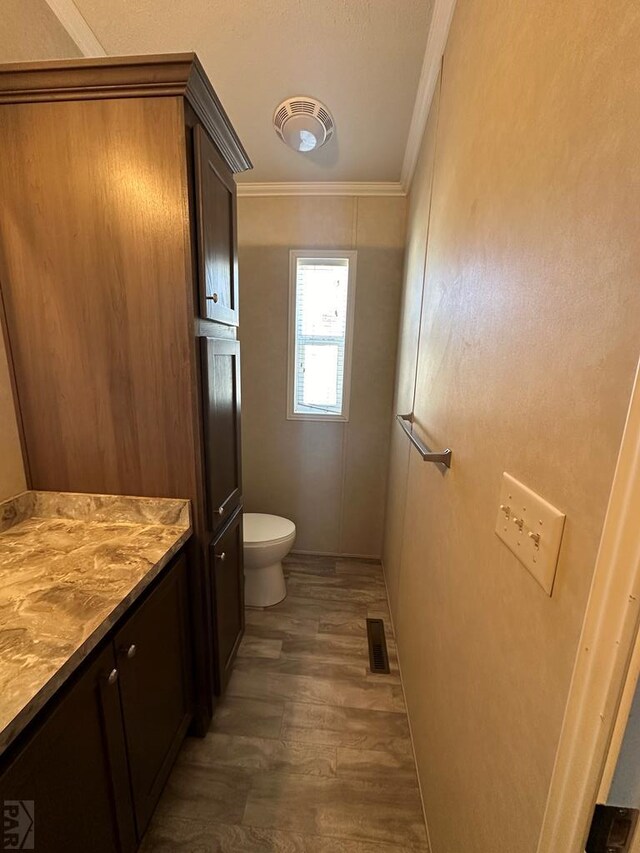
(222, 557)
(112, 677)
(215, 297)
(131, 651)
(221, 510)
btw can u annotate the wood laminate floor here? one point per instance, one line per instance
(308, 752)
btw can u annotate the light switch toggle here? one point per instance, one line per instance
(536, 532)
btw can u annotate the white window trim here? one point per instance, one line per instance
(320, 254)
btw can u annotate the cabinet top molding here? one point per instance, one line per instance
(164, 75)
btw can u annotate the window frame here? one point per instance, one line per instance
(321, 254)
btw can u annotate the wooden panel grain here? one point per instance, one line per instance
(217, 238)
(227, 588)
(73, 768)
(93, 258)
(151, 76)
(155, 687)
(222, 428)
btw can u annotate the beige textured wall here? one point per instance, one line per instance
(530, 335)
(330, 478)
(29, 30)
(418, 208)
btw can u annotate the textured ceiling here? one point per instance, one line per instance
(361, 57)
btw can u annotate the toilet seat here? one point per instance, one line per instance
(261, 529)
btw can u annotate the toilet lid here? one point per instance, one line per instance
(260, 527)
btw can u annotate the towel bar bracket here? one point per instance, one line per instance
(442, 458)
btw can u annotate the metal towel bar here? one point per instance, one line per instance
(443, 458)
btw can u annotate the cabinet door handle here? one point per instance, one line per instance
(222, 557)
(221, 510)
(215, 297)
(112, 677)
(131, 651)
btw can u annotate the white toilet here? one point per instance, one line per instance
(267, 541)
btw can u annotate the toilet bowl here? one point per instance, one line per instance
(267, 540)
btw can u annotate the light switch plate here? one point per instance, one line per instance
(532, 528)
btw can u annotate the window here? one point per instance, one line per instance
(321, 300)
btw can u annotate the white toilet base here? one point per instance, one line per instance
(265, 586)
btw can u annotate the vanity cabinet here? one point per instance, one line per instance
(72, 773)
(154, 666)
(228, 594)
(95, 760)
(117, 268)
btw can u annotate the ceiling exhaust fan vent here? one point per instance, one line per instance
(303, 123)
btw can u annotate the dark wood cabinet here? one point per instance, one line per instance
(95, 760)
(73, 774)
(109, 280)
(217, 242)
(154, 663)
(221, 405)
(228, 594)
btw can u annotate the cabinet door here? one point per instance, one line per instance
(221, 410)
(154, 662)
(216, 212)
(72, 774)
(227, 587)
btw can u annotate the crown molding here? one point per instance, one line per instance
(78, 29)
(436, 42)
(321, 188)
(149, 76)
(83, 36)
(211, 113)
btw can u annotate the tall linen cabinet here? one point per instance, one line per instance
(118, 276)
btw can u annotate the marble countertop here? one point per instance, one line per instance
(70, 565)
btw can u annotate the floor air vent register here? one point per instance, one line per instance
(378, 656)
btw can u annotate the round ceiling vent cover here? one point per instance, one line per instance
(303, 123)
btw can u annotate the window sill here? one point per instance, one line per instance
(341, 419)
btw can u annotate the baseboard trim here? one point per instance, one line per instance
(406, 705)
(369, 557)
(320, 188)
